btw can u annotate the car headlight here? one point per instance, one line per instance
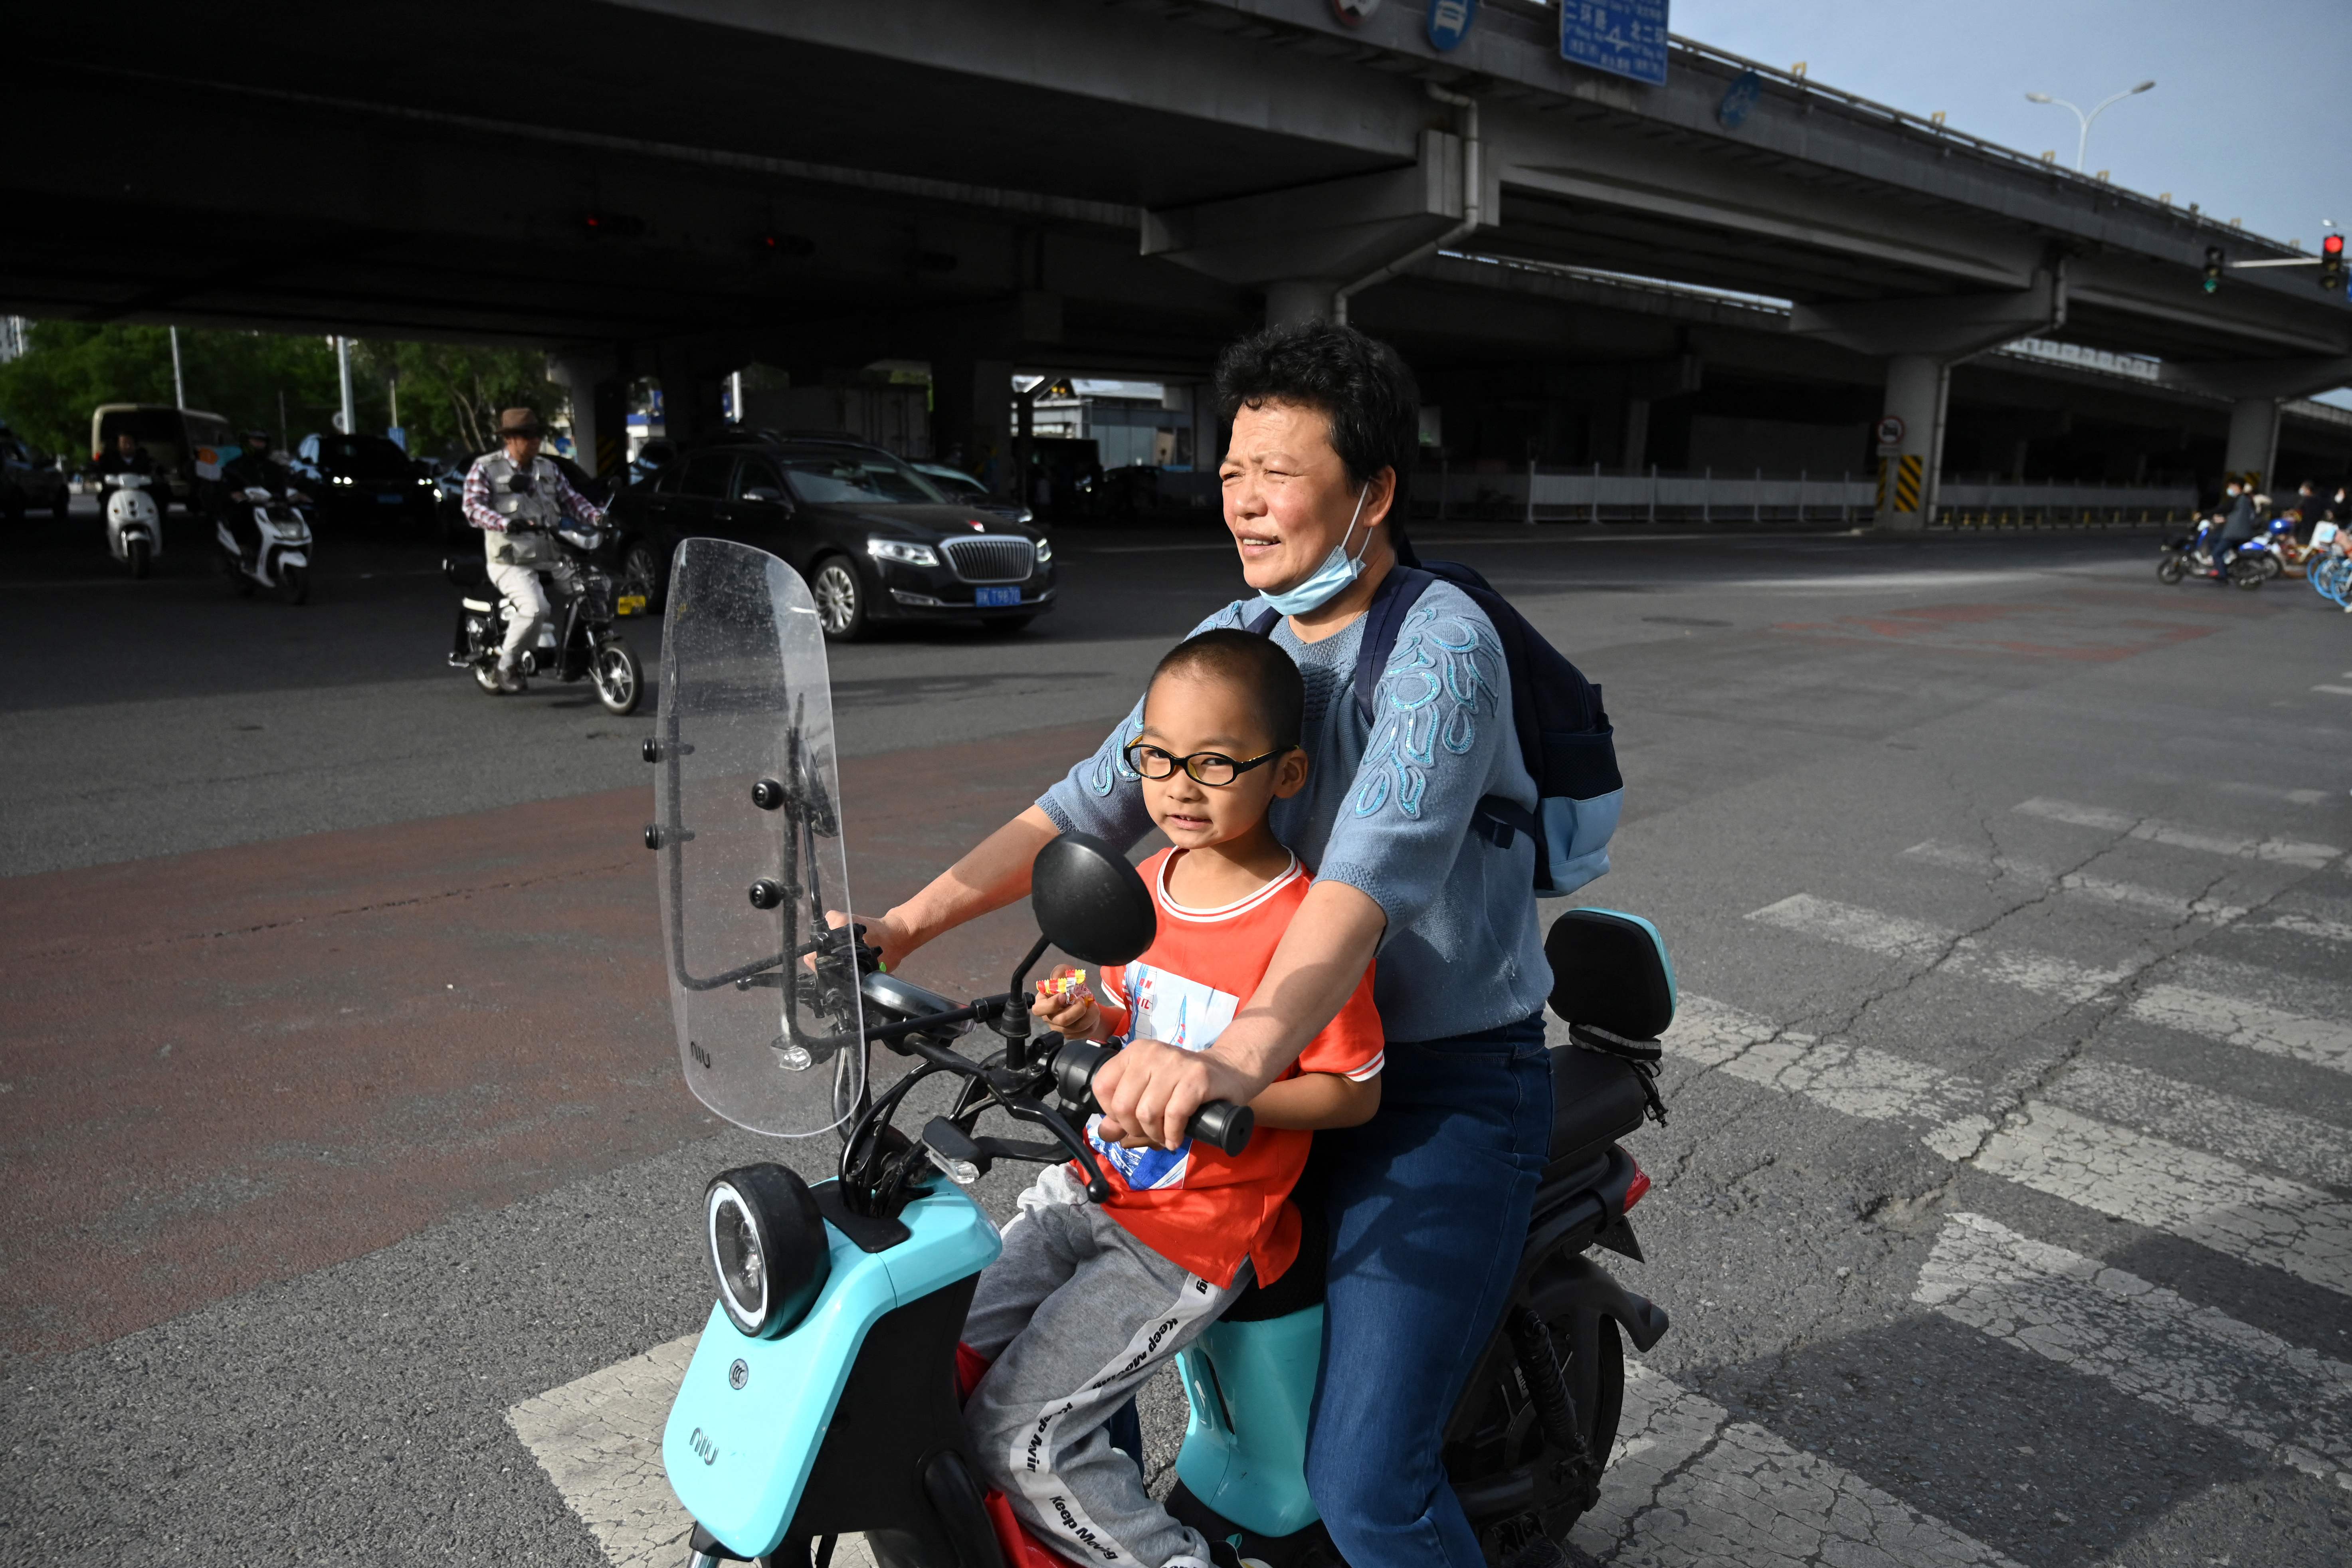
(342, 478)
(1044, 552)
(900, 550)
(768, 1246)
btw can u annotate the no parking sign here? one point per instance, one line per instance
(1890, 432)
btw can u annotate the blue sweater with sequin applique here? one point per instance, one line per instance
(1387, 811)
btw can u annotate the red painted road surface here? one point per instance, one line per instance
(229, 1068)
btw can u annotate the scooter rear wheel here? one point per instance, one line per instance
(1510, 1436)
(486, 676)
(2245, 574)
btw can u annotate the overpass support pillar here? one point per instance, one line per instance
(2254, 441)
(690, 405)
(1309, 245)
(1922, 339)
(1295, 300)
(600, 412)
(2254, 388)
(1916, 388)
(972, 417)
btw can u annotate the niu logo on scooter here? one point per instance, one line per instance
(703, 1445)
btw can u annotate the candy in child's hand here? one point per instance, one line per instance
(1064, 981)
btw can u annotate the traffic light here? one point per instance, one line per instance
(2331, 264)
(2212, 269)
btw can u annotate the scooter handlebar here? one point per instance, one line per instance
(1219, 1122)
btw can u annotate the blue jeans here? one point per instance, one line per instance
(1428, 1204)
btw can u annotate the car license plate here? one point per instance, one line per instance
(629, 604)
(390, 501)
(996, 598)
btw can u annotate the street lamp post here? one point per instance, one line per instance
(2083, 143)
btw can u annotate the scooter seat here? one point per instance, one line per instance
(1596, 1100)
(465, 571)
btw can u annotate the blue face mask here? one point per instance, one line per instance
(1337, 571)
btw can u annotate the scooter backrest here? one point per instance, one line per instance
(1089, 901)
(1611, 970)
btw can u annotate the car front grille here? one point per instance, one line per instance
(991, 558)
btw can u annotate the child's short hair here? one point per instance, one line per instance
(1253, 663)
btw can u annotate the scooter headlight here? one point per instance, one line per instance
(768, 1247)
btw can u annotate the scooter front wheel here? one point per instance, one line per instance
(486, 676)
(619, 679)
(2171, 569)
(136, 555)
(294, 583)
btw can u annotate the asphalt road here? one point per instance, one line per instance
(2002, 1214)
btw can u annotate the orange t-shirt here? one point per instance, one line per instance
(1197, 1205)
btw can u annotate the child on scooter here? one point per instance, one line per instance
(1088, 1301)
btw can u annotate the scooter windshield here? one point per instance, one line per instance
(748, 833)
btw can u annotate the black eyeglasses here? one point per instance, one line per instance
(1212, 768)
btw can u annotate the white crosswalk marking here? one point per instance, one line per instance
(2335, 691)
(2203, 1198)
(2129, 895)
(1687, 1485)
(2205, 1118)
(2288, 852)
(2232, 1020)
(2136, 1177)
(2285, 1402)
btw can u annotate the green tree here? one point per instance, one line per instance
(449, 394)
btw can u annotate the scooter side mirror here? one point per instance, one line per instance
(1089, 901)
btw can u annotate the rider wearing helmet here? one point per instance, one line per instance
(517, 497)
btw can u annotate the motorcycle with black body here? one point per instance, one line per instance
(577, 641)
(822, 1395)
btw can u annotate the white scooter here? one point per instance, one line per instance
(281, 558)
(134, 521)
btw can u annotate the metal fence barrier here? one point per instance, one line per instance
(1539, 494)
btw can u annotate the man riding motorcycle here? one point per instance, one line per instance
(517, 497)
(252, 469)
(2233, 523)
(130, 458)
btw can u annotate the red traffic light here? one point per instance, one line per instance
(2332, 245)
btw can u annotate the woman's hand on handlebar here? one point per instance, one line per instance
(881, 931)
(1150, 1089)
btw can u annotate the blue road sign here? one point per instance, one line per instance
(1739, 98)
(1625, 37)
(1450, 22)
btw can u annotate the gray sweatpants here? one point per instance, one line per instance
(1076, 1315)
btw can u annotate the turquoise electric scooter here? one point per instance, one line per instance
(821, 1399)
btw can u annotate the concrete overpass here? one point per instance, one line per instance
(674, 188)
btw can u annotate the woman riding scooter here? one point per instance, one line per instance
(1428, 1203)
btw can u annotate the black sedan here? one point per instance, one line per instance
(357, 478)
(876, 540)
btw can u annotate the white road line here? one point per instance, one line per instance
(2309, 925)
(599, 1440)
(2288, 852)
(2136, 1176)
(1897, 936)
(2251, 1026)
(2271, 792)
(2290, 1404)
(1687, 1485)
(2216, 1203)
(2129, 895)
(2206, 1119)
(2335, 691)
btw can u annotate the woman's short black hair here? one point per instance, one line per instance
(1253, 663)
(1357, 383)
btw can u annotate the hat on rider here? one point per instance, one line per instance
(519, 422)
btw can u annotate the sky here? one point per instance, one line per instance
(2250, 116)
